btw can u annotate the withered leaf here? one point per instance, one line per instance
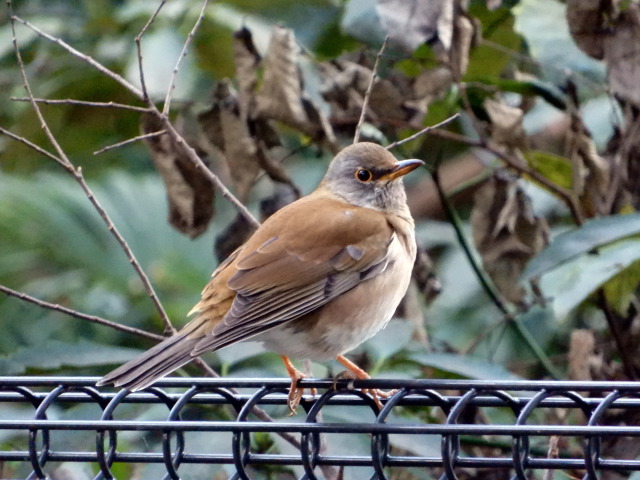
(582, 348)
(591, 172)
(506, 233)
(425, 277)
(243, 143)
(189, 193)
(282, 196)
(412, 23)
(622, 55)
(608, 31)
(247, 59)
(236, 233)
(585, 19)
(344, 86)
(239, 230)
(507, 130)
(226, 130)
(281, 96)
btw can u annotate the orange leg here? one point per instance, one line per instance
(362, 375)
(295, 392)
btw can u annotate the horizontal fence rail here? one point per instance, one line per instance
(241, 429)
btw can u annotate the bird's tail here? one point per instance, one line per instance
(155, 363)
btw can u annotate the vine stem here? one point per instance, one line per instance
(487, 285)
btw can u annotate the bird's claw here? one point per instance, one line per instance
(374, 393)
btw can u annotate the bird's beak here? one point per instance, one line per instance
(402, 168)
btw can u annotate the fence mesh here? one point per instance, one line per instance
(240, 429)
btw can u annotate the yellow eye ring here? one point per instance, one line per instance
(363, 175)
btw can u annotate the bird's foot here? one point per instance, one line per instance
(295, 392)
(354, 371)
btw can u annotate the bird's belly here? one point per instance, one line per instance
(348, 320)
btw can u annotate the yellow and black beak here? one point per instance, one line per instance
(401, 168)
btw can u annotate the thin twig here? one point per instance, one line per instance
(82, 316)
(365, 103)
(226, 193)
(32, 145)
(77, 175)
(138, 40)
(183, 54)
(423, 131)
(562, 193)
(130, 140)
(69, 101)
(109, 73)
(612, 321)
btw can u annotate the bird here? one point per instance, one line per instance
(315, 280)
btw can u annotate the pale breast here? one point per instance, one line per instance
(350, 319)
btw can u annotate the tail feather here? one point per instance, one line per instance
(155, 363)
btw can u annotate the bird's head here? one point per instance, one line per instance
(368, 175)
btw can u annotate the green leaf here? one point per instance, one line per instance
(534, 88)
(391, 340)
(554, 167)
(54, 354)
(466, 366)
(575, 281)
(620, 290)
(497, 29)
(593, 234)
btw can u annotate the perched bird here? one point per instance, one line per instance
(318, 278)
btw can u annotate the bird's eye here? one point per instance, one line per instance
(363, 175)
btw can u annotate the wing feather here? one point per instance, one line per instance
(279, 279)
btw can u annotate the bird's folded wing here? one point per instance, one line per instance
(283, 274)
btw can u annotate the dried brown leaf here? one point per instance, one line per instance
(344, 86)
(585, 19)
(189, 192)
(282, 196)
(591, 172)
(581, 350)
(228, 134)
(622, 55)
(236, 233)
(464, 37)
(281, 96)
(506, 233)
(506, 125)
(610, 31)
(247, 60)
(425, 277)
(414, 22)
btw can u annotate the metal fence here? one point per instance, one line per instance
(427, 429)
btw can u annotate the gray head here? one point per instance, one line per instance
(368, 175)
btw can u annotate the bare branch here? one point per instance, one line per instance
(244, 211)
(109, 73)
(423, 131)
(69, 101)
(32, 145)
(365, 103)
(130, 140)
(82, 316)
(77, 175)
(172, 83)
(138, 40)
(566, 196)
